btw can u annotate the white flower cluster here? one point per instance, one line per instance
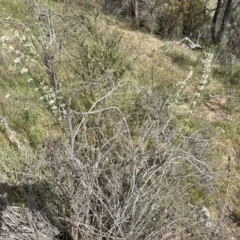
(53, 98)
(182, 87)
(16, 57)
(17, 60)
(4, 38)
(19, 56)
(24, 70)
(28, 54)
(28, 46)
(10, 48)
(207, 63)
(11, 134)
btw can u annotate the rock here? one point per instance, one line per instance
(206, 213)
(208, 224)
(204, 217)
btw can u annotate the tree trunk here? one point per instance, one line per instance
(225, 20)
(214, 21)
(217, 37)
(133, 8)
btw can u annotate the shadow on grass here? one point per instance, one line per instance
(34, 197)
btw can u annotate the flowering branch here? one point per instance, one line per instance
(11, 134)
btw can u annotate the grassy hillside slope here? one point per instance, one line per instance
(110, 133)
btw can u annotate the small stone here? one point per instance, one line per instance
(208, 224)
(206, 213)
